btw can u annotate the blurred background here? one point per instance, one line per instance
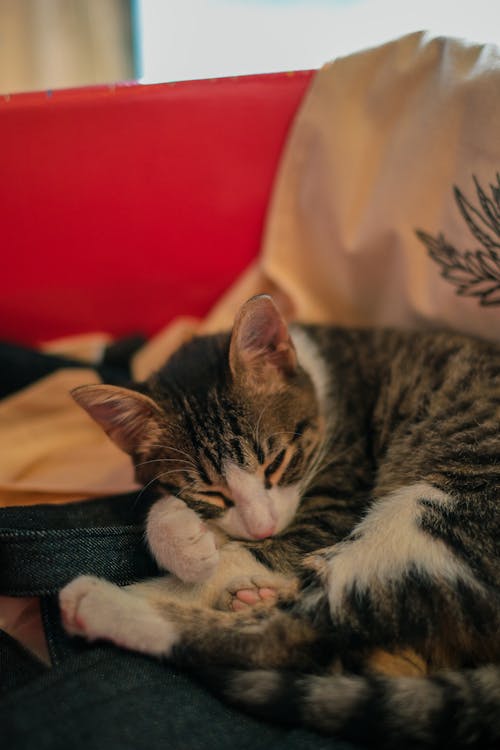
(46, 44)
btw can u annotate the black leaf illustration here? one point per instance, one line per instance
(475, 273)
(489, 219)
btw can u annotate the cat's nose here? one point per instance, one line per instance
(266, 533)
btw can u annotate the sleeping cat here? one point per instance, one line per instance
(351, 477)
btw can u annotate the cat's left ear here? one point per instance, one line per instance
(261, 351)
(126, 416)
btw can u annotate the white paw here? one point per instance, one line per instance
(97, 609)
(74, 600)
(180, 541)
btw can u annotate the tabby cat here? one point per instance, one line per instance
(349, 478)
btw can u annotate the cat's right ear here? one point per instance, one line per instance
(261, 352)
(127, 417)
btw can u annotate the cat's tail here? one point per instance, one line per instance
(449, 709)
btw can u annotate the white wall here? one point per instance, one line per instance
(184, 39)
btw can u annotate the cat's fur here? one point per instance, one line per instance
(379, 452)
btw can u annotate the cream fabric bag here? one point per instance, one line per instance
(386, 209)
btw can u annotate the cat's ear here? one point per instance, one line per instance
(128, 417)
(261, 352)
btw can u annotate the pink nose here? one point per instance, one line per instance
(264, 534)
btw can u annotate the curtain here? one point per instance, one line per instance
(47, 44)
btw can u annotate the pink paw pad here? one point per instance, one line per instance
(250, 597)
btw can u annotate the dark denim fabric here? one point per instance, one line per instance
(44, 546)
(105, 699)
(17, 666)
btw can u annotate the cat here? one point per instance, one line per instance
(332, 520)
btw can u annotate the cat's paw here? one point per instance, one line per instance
(180, 541)
(258, 589)
(97, 609)
(74, 605)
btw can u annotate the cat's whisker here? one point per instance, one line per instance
(191, 484)
(187, 461)
(155, 479)
(176, 460)
(168, 447)
(283, 432)
(317, 466)
(257, 426)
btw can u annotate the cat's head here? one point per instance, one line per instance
(231, 423)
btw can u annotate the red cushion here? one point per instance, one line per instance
(122, 207)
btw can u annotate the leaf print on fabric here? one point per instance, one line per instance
(475, 273)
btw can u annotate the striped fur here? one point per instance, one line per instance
(453, 710)
(373, 458)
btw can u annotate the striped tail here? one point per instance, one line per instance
(447, 710)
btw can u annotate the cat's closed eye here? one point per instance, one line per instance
(214, 496)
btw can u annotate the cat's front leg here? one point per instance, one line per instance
(230, 578)
(99, 610)
(393, 582)
(180, 541)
